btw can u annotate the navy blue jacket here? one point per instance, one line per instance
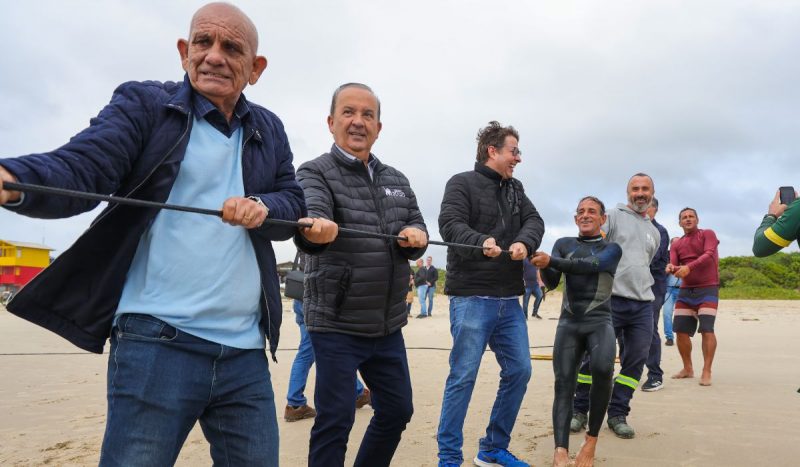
(659, 264)
(134, 148)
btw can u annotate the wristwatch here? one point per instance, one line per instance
(261, 203)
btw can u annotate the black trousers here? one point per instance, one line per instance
(383, 364)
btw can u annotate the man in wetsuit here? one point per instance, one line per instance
(589, 263)
(694, 258)
(631, 298)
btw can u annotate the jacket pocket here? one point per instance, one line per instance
(343, 288)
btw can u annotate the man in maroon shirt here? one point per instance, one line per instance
(694, 259)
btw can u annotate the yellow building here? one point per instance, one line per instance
(20, 262)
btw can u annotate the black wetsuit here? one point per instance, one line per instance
(589, 264)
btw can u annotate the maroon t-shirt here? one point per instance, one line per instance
(698, 250)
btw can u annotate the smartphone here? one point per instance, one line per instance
(786, 194)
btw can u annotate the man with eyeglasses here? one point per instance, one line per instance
(487, 207)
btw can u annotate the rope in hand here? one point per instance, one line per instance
(25, 187)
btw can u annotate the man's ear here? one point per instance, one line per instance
(183, 50)
(259, 65)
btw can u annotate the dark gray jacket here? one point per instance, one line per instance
(357, 285)
(477, 205)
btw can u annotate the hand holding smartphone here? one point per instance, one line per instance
(787, 194)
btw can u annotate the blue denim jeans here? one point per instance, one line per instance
(383, 363)
(429, 294)
(422, 293)
(303, 360)
(667, 310)
(162, 380)
(475, 322)
(536, 291)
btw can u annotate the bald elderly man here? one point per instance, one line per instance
(187, 300)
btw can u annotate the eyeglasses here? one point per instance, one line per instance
(514, 150)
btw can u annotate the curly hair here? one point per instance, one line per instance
(493, 134)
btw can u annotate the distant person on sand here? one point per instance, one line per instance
(431, 276)
(588, 263)
(487, 207)
(533, 288)
(655, 375)
(421, 283)
(695, 260)
(673, 286)
(186, 345)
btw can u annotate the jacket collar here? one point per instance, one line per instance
(182, 102)
(354, 164)
(487, 172)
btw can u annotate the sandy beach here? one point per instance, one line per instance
(52, 398)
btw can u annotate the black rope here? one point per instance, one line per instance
(12, 186)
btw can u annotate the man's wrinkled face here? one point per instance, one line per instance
(640, 194)
(354, 123)
(505, 158)
(220, 55)
(588, 218)
(688, 220)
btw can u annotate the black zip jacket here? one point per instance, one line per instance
(357, 285)
(477, 205)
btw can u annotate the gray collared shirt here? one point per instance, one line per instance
(370, 162)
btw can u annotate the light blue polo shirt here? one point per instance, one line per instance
(193, 271)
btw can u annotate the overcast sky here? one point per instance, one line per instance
(702, 95)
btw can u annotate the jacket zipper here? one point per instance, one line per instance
(261, 273)
(388, 244)
(113, 207)
(163, 158)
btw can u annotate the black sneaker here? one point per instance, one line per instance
(669, 342)
(652, 385)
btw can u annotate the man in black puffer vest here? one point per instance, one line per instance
(355, 286)
(487, 207)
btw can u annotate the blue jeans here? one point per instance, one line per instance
(383, 363)
(669, 307)
(429, 295)
(422, 293)
(536, 291)
(303, 360)
(474, 322)
(162, 380)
